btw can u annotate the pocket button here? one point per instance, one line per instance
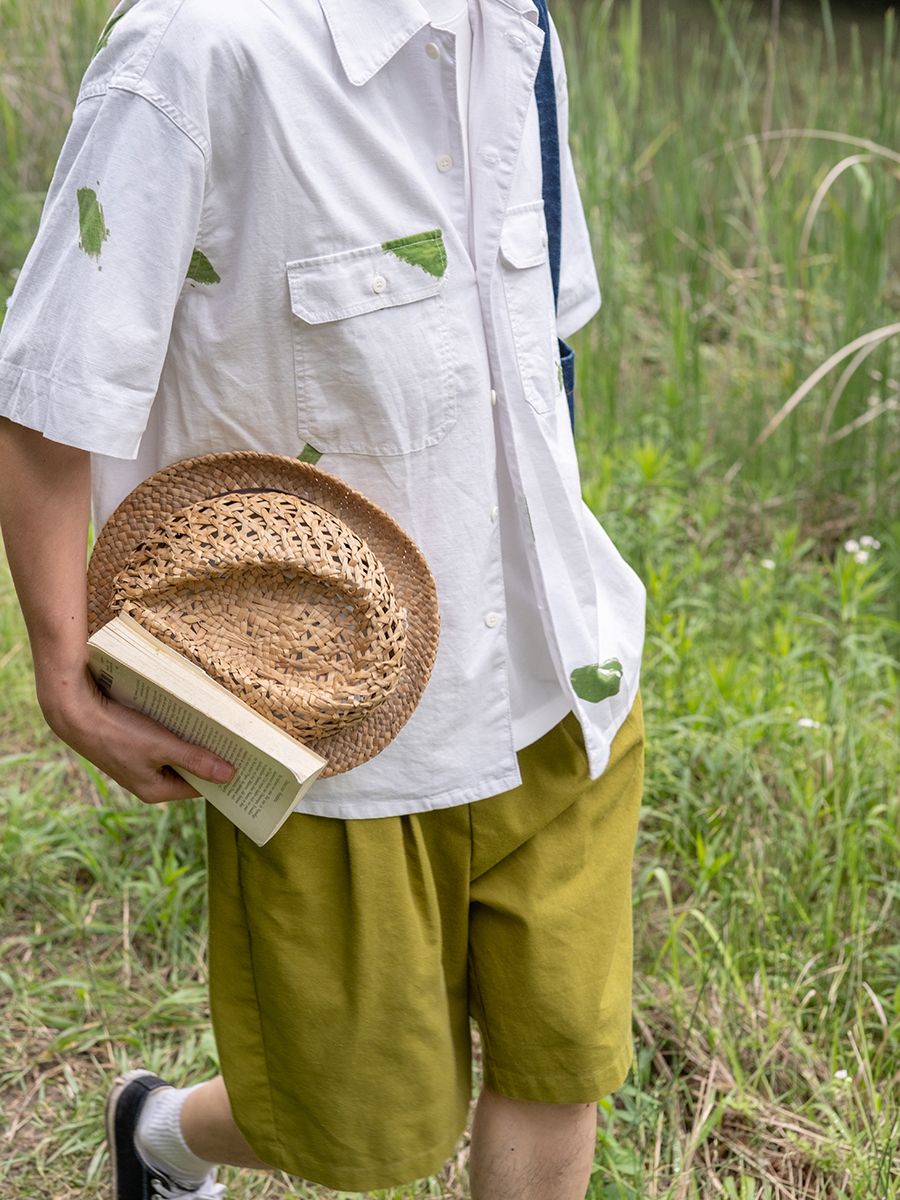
(379, 283)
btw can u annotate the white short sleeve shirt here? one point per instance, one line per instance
(252, 241)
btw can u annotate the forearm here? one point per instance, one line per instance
(45, 496)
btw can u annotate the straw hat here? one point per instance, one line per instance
(293, 590)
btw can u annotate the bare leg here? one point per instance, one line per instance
(520, 1150)
(527, 1151)
(209, 1129)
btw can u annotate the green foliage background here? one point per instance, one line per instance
(767, 1006)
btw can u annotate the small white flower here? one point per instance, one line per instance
(861, 556)
(840, 1074)
(870, 542)
(808, 723)
(768, 564)
(851, 546)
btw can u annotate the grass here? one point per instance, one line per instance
(767, 1009)
(767, 860)
(719, 300)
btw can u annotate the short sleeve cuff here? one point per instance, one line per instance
(72, 417)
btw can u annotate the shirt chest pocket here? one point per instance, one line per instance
(529, 299)
(371, 349)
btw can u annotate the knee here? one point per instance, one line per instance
(537, 1124)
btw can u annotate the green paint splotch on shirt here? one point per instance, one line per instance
(425, 250)
(107, 30)
(598, 681)
(201, 269)
(90, 221)
(309, 454)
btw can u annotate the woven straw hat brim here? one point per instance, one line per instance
(155, 500)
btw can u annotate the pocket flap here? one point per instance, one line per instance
(523, 242)
(336, 286)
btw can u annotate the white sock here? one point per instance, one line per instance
(159, 1140)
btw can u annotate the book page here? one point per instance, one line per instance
(263, 791)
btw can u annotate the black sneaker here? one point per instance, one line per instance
(133, 1179)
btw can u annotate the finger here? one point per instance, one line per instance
(162, 787)
(199, 761)
(143, 756)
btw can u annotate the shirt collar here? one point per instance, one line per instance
(525, 8)
(368, 33)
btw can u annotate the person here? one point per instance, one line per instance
(320, 228)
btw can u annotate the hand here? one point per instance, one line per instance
(138, 752)
(45, 496)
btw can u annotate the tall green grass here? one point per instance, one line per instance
(767, 1010)
(714, 309)
(767, 865)
(767, 1007)
(44, 48)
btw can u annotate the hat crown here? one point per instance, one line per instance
(277, 599)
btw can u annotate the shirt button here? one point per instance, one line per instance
(491, 620)
(432, 51)
(543, 239)
(379, 283)
(495, 513)
(493, 396)
(444, 163)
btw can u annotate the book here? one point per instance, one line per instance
(272, 769)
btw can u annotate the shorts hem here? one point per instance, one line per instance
(358, 1179)
(550, 1088)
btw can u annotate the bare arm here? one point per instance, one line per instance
(45, 496)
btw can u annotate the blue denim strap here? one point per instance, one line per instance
(545, 95)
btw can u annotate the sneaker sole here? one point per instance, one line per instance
(112, 1101)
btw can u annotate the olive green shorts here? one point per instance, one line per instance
(346, 958)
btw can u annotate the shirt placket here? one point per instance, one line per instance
(448, 160)
(511, 47)
(506, 53)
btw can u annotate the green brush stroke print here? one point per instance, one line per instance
(425, 250)
(201, 269)
(598, 681)
(104, 36)
(90, 222)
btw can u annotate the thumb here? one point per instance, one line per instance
(200, 762)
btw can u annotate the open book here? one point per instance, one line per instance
(272, 770)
